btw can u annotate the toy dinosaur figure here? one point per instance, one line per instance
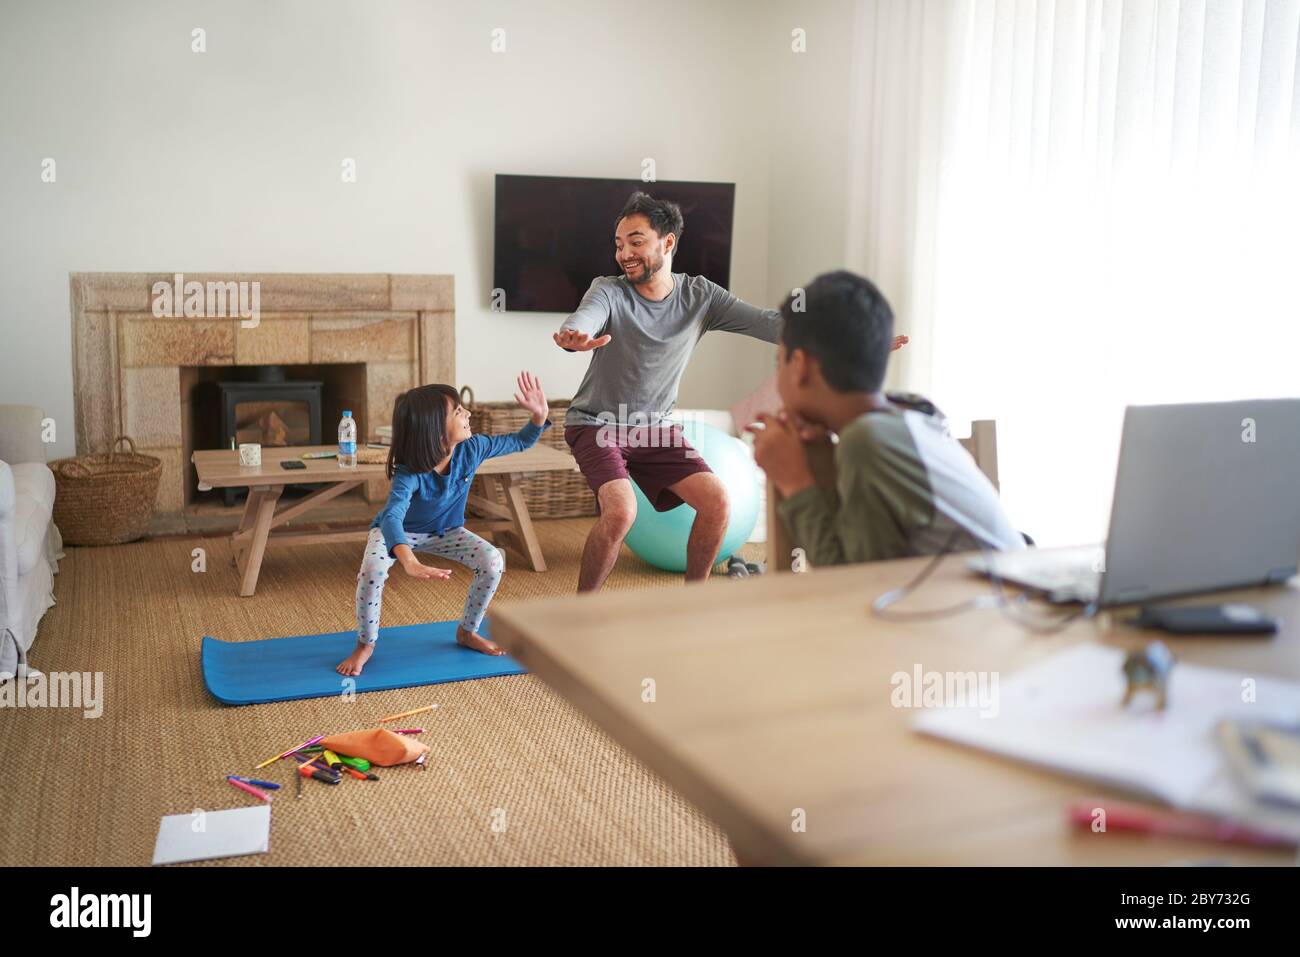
(1148, 669)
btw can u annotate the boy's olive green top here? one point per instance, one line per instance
(904, 486)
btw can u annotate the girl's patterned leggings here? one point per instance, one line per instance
(458, 544)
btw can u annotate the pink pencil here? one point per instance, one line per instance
(1124, 816)
(250, 789)
(408, 731)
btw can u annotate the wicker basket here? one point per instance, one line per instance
(105, 499)
(547, 494)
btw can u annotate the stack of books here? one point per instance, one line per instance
(383, 437)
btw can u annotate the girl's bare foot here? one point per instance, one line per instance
(472, 639)
(353, 663)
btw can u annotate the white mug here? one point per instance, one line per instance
(250, 453)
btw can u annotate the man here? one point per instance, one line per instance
(904, 485)
(641, 328)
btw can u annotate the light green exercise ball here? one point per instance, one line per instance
(660, 537)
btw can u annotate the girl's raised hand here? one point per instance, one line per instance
(531, 397)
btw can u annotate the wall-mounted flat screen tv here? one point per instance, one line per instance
(555, 234)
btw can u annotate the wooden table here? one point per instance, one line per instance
(772, 695)
(508, 522)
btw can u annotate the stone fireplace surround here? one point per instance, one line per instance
(129, 366)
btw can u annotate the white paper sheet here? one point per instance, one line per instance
(1064, 713)
(229, 833)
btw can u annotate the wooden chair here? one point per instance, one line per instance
(982, 444)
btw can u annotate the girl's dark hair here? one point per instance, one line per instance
(420, 428)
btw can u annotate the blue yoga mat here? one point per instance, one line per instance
(286, 669)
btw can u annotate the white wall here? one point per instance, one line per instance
(810, 143)
(229, 160)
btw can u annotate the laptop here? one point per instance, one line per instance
(1207, 497)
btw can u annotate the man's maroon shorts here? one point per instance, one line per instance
(654, 457)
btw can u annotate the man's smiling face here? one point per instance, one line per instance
(639, 251)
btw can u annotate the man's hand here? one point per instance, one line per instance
(531, 397)
(899, 342)
(576, 341)
(779, 451)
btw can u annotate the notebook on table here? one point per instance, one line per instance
(1064, 714)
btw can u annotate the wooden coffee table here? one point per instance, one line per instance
(508, 523)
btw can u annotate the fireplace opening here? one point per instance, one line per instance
(272, 411)
(272, 405)
(271, 418)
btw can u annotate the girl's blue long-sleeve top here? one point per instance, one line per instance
(430, 503)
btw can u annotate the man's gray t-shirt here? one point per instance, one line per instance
(638, 372)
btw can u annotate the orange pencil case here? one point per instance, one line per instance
(377, 745)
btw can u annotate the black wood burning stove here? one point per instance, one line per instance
(270, 411)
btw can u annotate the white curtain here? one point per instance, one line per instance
(907, 59)
(1106, 198)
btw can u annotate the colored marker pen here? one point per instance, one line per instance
(267, 785)
(307, 771)
(250, 789)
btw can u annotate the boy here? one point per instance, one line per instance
(904, 486)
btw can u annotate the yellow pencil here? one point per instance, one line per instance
(407, 714)
(289, 752)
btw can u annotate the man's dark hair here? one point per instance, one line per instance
(420, 428)
(846, 325)
(665, 216)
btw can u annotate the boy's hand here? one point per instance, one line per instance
(809, 432)
(417, 569)
(576, 341)
(899, 342)
(779, 452)
(531, 397)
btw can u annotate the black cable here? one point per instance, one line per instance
(893, 596)
(1045, 624)
(1000, 599)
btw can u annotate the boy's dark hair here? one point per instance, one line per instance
(420, 428)
(665, 216)
(846, 325)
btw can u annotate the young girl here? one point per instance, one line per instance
(431, 464)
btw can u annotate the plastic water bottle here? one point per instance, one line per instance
(347, 441)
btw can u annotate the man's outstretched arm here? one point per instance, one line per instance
(580, 332)
(732, 314)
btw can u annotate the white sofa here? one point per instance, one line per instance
(30, 544)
